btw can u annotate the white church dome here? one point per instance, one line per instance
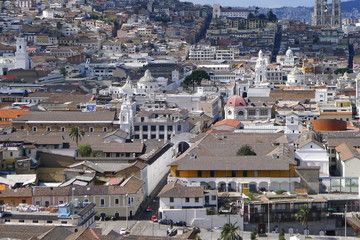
(289, 53)
(147, 77)
(296, 71)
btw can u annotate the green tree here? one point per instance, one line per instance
(196, 77)
(76, 134)
(282, 234)
(341, 71)
(253, 235)
(271, 16)
(84, 150)
(230, 232)
(262, 16)
(302, 215)
(245, 150)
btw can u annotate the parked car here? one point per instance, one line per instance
(166, 221)
(154, 218)
(149, 209)
(180, 223)
(171, 231)
(123, 231)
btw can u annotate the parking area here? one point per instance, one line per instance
(152, 229)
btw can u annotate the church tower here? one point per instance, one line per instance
(327, 15)
(22, 60)
(260, 69)
(126, 116)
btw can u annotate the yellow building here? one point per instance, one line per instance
(216, 162)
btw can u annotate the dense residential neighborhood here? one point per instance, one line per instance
(134, 119)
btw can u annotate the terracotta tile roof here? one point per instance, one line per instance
(335, 113)
(228, 122)
(346, 152)
(18, 192)
(175, 189)
(205, 154)
(66, 116)
(12, 113)
(136, 147)
(292, 94)
(51, 191)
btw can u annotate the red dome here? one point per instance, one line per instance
(236, 101)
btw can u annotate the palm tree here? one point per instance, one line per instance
(230, 232)
(303, 215)
(76, 134)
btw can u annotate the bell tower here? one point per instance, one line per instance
(326, 14)
(22, 60)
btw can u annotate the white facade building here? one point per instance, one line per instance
(296, 78)
(260, 69)
(19, 61)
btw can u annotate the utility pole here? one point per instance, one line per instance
(268, 217)
(345, 217)
(126, 209)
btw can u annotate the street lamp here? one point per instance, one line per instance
(126, 209)
(269, 217)
(345, 218)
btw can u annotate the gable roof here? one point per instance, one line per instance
(347, 152)
(66, 116)
(218, 152)
(228, 122)
(175, 189)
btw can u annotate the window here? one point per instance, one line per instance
(171, 199)
(251, 112)
(21, 220)
(105, 129)
(233, 173)
(196, 199)
(49, 221)
(170, 128)
(116, 201)
(137, 128)
(48, 129)
(153, 136)
(263, 112)
(179, 127)
(63, 222)
(23, 201)
(47, 203)
(37, 203)
(63, 129)
(213, 197)
(136, 136)
(161, 128)
(161, 136)
(34, 129)
(35, 221)
(153, 128)
(102, 202)
(245, 173)
(212, 173)
(145, 128)
(199, 173)
(91, 129)
(177, 173)
(187, 199)
(7, 220)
